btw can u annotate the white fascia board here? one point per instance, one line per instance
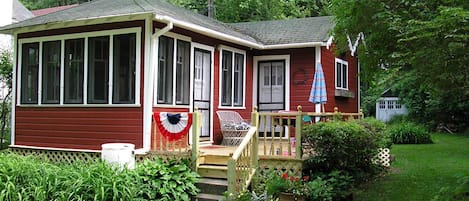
(293, 45)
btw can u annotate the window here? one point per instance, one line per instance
(85, 68)
(341, 73)
(98, 69)
(124, 69)
(232, 78)
(398, 104)
(391, 104)
(29, 73)
(173, 71)
(382, 104)
(51, 72)
(74, 51)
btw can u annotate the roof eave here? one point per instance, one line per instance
(293, 45)
(77, 22)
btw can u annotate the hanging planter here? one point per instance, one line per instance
(173, 126)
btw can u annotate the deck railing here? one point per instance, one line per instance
(280, 132)
(181, 148)
(242, 165)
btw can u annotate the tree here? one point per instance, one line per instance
(255, 10)
(40, 4)
(425, 42)
(5, 78)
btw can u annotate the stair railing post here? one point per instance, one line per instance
(298, 130)
(196, 120)
(231, 177)
(255, 139)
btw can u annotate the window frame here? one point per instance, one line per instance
(234, 52)
(342, 63)
(173, 103)
(85, 35)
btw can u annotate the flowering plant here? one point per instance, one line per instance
(287, 184)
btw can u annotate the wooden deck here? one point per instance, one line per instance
(276, 148)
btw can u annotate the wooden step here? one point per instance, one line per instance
(213, 171)
(208, 197)
(214, 159)
(213, 186)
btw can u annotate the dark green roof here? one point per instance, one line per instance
(303, 30)
(262, 33)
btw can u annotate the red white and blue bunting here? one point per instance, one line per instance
(173, 126)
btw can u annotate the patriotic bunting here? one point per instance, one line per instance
(173, 126)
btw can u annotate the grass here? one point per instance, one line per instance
(420, 171)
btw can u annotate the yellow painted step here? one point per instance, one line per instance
(214, 160)
(213, 171)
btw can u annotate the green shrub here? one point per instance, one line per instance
(166, 181)
(376, 128)
(409, 133)
(344, 146)
(29, 178)
(397, 119)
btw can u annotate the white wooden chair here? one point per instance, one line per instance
(233, 127)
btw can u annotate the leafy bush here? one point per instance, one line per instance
(166, 181)
(29, 178)
(376, 128)
(396, 119)
(344, 146)
(409, 133)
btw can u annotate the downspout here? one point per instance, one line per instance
(149, 95)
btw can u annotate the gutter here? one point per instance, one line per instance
(148, 88)
(230, 38)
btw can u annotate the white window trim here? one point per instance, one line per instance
(85, 36)
(233, 50)
(256, 61)
(341, 61)
(176, 38)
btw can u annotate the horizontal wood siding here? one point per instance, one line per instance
(328, 64)
(82, 127)
(78, 128)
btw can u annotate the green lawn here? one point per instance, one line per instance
(419, 171)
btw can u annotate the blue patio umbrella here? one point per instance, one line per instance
(318, 93)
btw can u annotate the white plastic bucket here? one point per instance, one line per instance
(120, 154)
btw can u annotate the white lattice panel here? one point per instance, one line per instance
(383, 157)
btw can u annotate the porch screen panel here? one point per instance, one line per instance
(98, 69)
(51, 58)
(29, 73)
(74, 55)
(124, 69)
(182, 72)
(227, 62)
(165, 70)
(238, 79)
(344, 75)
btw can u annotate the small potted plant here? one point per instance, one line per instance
(286, 187)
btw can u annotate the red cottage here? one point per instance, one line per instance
(95, 73)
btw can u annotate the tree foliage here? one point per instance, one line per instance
(40, 4)
(426, 45)
(255, 10)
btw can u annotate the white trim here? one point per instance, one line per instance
(18, 74)
(78, 105)
(134, 30)
(148, 84)
(317, 107)
(13, 93)
(85, 70)
(39, 74)
(256, 60)
(176, 37)
(220, 76)
(229, 38)
(212, 72)
(341, 61)
(111, 71)
(54, 149)
(62, 71)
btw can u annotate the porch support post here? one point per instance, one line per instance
(255, 139)
(298, 130)
(196, 121)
